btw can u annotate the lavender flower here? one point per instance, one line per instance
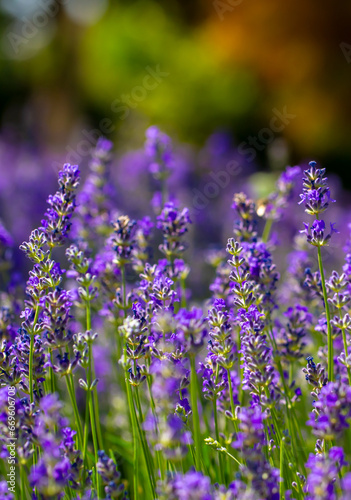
(315, 233)
(111, 477)
(4, 491)
(123, 240)
(166, 427)
(315, 374)
(245, 227)
(191, 328)
(272, 208)
(250, 440)
(62, 204)
(50, 475)
(322, 480)
(173, 224)
(158, 148)
(290, 338)
(331, 411)
(94, 200)
(315, 191)
(190, 486)
(316, 197)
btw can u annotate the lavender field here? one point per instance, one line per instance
(118, 380)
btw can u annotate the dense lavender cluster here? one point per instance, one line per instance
(119, 381)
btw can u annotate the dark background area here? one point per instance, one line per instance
(230, 63)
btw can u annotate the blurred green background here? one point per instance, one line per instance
(191, 67)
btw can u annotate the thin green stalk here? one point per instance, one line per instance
(226, 452)
(69, 492)
(239, 368)
(183, 288)
(95, 443)
(31, 355)
(92, 377)
(90, 404)
(192, 453)
(291, 372)
(123, 272)
(232, 401)
(266, 451)
(135, 471)
(287, 401)
(71, 392)
(135, 439)
(274, 418)
(196, 421)
(346, 354)
(24, 484)
(52, 377)
(288, 408)
(133, 418)
(221, 467)
(345, 345)
(327, 312)
(30, 369)
(144, 444)
(267, 230)
(90, 410)
(281, 484)
(86, 427)
(164, 192)
(159, 454)
(97, 411)
(134, 430)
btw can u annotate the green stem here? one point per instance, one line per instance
(71, 392)
(31, 355)
(96, 410)
(240, 369)
(123, 272)
(144, 444)
(274, 418)
(289, 410)
(86, 427)
(226, 452)
(327, 312)
(89, 402)
(232, 401)
(92, 377)
(267, 230)
(30, 369)
(221, 468)
(159, 455)
(164, 192)
(196, 421)
(183, 288)
(281, 484)
(24, 483)
(346, 354)
(287, 401)
(134, 431)
(69, 492)
(345, 343)
(95, 443)
(52, 377)
(135, 471)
